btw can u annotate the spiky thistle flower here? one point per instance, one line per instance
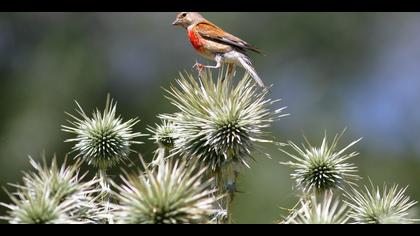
(169, 194)
(103, 140)
(380, 206)
(40, 207)
(322, 168)
(53, 194)
(328, 211)
(64, 183)
(164, 136)
(218, 122)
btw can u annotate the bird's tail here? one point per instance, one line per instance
(246, 63)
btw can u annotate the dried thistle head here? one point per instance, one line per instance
(380, 206)
(102, 140)
(220, 122)
(322, 168)
(328, 211)
(53, 194)
(169, 194)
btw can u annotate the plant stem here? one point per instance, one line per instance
(105, 193)
(226, 179)
(159, 158)
(229, 207)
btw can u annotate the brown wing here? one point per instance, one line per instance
(211, 32)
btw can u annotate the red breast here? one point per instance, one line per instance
(195, 39)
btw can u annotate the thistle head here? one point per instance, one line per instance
(218, 122)
(63, 182)
(102, 140)
(40, 207)
(164, 134)
(328, 211)
(170, 194)
(380, 206)
(53, 194)
(322, 168)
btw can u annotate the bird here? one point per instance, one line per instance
(213, 43)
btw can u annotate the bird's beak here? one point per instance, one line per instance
(176, 22)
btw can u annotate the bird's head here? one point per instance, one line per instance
(185, 19)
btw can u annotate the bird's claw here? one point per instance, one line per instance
(199, 67)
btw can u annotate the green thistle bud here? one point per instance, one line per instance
(103, 140)
(328, 211)
(40, 207)
(164, 134)
(169, 194)
(218, 122)
(376, 206)
(322, 168)
(164, 137)
(53, 195)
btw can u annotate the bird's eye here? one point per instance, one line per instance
(184, 15)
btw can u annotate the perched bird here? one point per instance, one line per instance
(215, 44)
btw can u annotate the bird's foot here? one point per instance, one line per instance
(199, 67)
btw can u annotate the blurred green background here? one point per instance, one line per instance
(332, 70)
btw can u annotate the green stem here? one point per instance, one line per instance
(226, 180)
(105, 193)
(159, 158)
(229, 207)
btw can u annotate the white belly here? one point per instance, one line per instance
(232, 57)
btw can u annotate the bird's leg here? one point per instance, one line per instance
(218, 65)
(198, 66)
(218, 60)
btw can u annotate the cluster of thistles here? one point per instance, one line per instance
(217, 130)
